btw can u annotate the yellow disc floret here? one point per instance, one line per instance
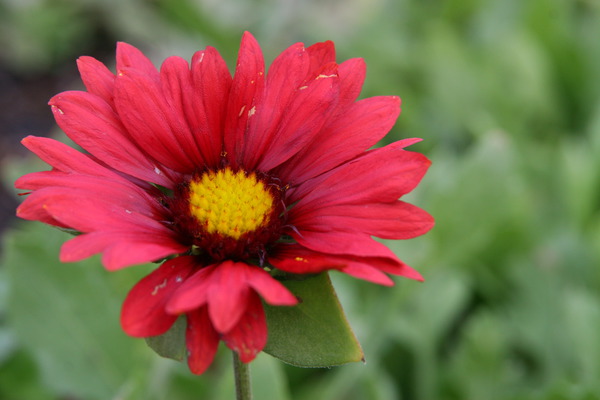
(230, 203)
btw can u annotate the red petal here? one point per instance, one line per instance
(92, 214)
(124, 254)
(97, 78)
(38, 180)
(321, 53)
(299, 260)
(130, 57)
(64, 158)
(202, 340)
(286, 74)
(368, 273)
(381, 175)
(227, 295)
(206, 104)
(176, 81)
(122, 249)
(305, 116)
(143, 313)
(361, 126)
(120, 191)
(33, 209)
(271, 290)
(398, 220)
(352, 76)
(246, 92)
(194, 293)
(332, 242)
(153, 123)
(249, 336)
(226, 287)
(356, 245)
(93, 124)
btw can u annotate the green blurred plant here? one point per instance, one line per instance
(506, 94)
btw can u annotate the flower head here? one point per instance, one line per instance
(228, 178)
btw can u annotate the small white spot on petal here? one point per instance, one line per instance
(178, 279)
(325, 76)
(157, 171)
(201, 57)
(128, 211)
(59, 110)
(252, 111)
(158, 287)
(303, 87)
(242, 110)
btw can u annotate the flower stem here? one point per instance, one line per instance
(241, 371)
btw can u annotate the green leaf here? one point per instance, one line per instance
(314, 333)
(170, 344)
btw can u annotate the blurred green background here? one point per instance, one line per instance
(506, 94)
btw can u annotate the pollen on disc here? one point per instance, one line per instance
(229, 202)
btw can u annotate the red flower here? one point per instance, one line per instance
(228, 178)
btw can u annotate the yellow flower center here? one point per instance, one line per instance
(230, 203)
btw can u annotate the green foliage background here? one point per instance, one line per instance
(506, 94)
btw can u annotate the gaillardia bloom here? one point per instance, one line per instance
(228, 179)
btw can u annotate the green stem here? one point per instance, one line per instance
(241, 371)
